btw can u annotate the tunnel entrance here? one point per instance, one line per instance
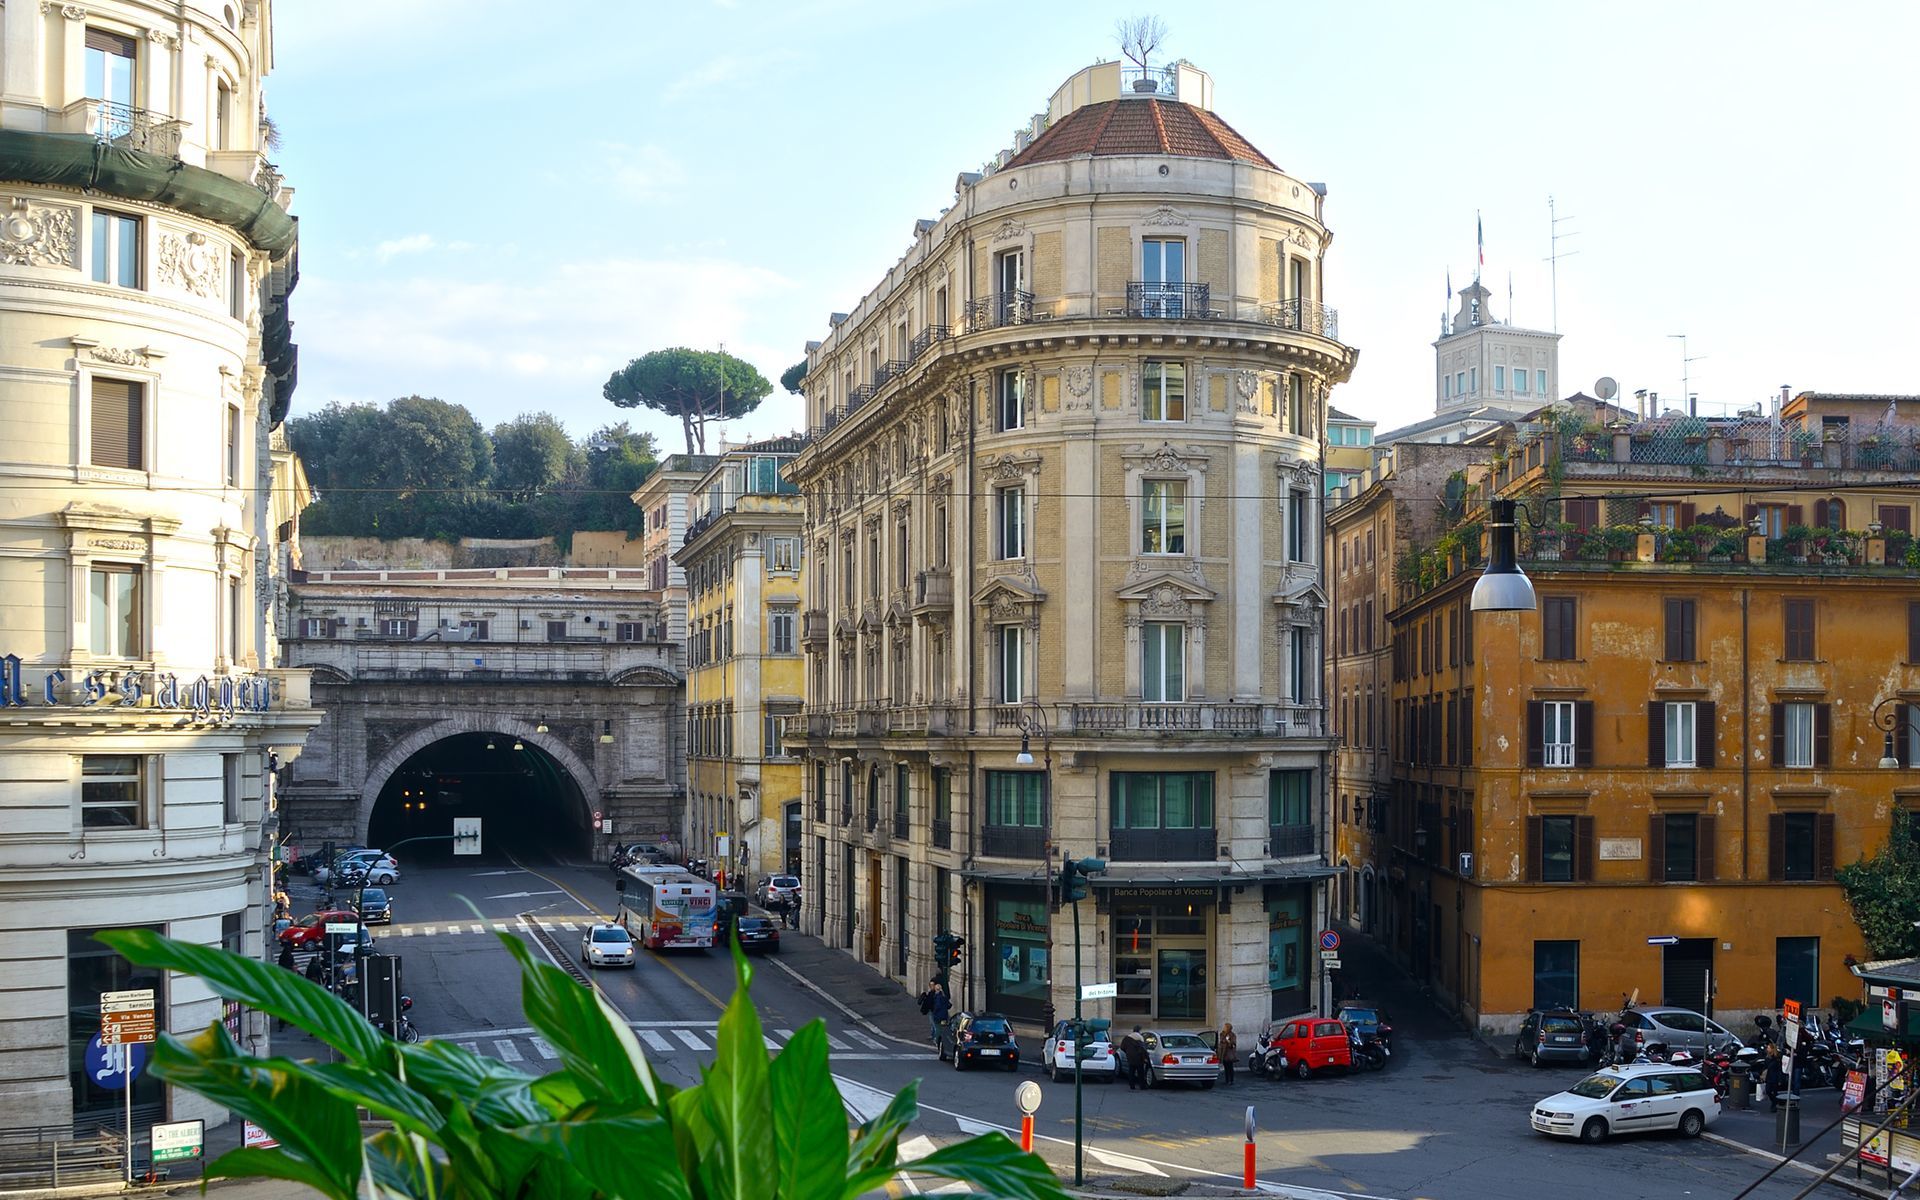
(529, 804)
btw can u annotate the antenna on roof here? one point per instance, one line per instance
(1555, 254)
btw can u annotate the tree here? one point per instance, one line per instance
(757, 1127)
(696, 386)
(1139, 38)
(617, 461)
(434, 445)
(530, 453)
(794, 376)
(1884, 891)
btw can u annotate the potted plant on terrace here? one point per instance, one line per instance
(1139, 38)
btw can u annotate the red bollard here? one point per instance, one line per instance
(1026, 1133)
(1247, 1174)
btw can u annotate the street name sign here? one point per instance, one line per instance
(1099, 991)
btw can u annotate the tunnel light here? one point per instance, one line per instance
(541, 727)
(606, 733)
(517, 745)
(489, 741)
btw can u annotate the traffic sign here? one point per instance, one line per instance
(126, 1001)
(466, 835)
(126, 1017)
(343, 927)
(174, 1141)
(1329, 939)
(1099, 991)
(1665, 939)
(1027, 1096)
(1329, 956)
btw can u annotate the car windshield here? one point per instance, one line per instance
(989, 1025)
(1595, 1087)
(1181, 1041)
(1554, 1024)
(374, 896)
(612, 933)
(786, 881)
(309, 919)
(1360, 1016)
(1092, 1037)
(755, 923)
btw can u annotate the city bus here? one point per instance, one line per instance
(665, 907)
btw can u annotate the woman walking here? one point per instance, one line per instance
(1229, 1050)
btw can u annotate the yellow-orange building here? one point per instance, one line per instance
(1707, 712)
(744, 566)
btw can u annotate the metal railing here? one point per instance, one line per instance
(1168, 301)
(889, 371)
(860, 394)
(942, 833)
(136, 128)
(1149, 81)
(873, 818)
(926, 339)
(900, 825)
(1308, 316)
(1163, 845)
(1000, 308)
(1289, 841)
(56, 1156)
(1012, 841)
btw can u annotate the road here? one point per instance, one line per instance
(1446, 1119)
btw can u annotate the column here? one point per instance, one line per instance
(1248, 606)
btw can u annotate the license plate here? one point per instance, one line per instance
(1563, 1040)
(993, 1052)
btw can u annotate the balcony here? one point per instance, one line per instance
(942, 834)
(889, 371)
(813, 628)
(999, 309)
(846, 811)
(819, 810)
(1308, 316)
(859, 396)
(1292, 841)
(1163, 845)
(1265, 719)
(933, 590)
(900, 825)
(699, 527)
(926, 340)
(125, 127)
(873, 818)
(1013, 841)
(1169, 301)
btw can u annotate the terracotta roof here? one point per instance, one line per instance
(1143, 126)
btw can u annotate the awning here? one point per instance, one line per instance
(1868, 1027)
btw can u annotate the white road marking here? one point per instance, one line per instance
(973, 1128)
(541, 1047)
(836, 1043)
(1125, 1162)
(692, 1042)
(470, 1047)
(570, 927)
(498, 928)
(507, 1051)
(864, 1040)
(785, 1035)
(479, 928)
(768, 1039)
(654, 1041)
(405, 931)
(865, 1103)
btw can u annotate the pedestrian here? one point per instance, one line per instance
(1229, 1050)
(1896, 1085)
(286, 956)
(1776, 1078)
(1133, 1049)
(926, 1006)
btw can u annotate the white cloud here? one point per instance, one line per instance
(413, 243)
(642, 173)
(724, 69)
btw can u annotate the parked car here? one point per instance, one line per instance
(607, 945)
(1056, 1053)
(1370, 1021)
(1552, 1035)
(776, 890)
(979, 1038)
(758, 935)
(311, 930)
(1175, 1057)
(375, 907)
(1630, 1099)
(1311, 1044)
(380, 869)
(1678, 1029)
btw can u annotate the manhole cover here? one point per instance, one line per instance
(882, 991)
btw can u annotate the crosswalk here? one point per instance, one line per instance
(521, 1046)
(516, 925)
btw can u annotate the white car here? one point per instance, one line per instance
(1631, 1099)
(381, 869)
(1056, 1054)
(607, 945)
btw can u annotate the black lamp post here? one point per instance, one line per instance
(1890, 717)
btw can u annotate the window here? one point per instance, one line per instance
(1559, 858)
(399, 627)
(1163, 800)
(1010, 400)
(476, 631)
(1800, 846)
(902, 793)
(114, 624)
(1556, 975)
(1895, 516)
(1446, 386)
(1163, 662)
(1296, 406)
(1289, 798)
(316, 627)
(1163, 260)
(1558, 635)
(1164, 391)
(556, 631)
(780, 632)
(1460, 383)
(1913, 631)
(1540, 378)
(109, 67)
(236, 285)
(1680, 734)
(1798, 645)
(1796, 971)
(1500, 379)
(1560, 733)
(236, 620)
(783, 554)
(900, 555)
(1773, 518)
(119, 424)
(1583, 513)
(1010, 522)
(1014, 798)
(773, 725)
(111, 787)
(233, 446)
(230, 796)
(116, 249)
(1473, 379)
(1676, 843)
(1013, 663)
(1802, 734)
(1163, 523)
(1679, 630)
(1520, 381)
(1298, 528)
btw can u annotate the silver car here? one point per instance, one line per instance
(1179, 1058)
(1677, 1029)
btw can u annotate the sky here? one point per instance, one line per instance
(500, 204)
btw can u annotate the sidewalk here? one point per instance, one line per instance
(1756, 1132)
(856, 989)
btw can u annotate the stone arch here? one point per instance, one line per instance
(458, 723)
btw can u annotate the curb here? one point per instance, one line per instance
(1840, 1181)
(851, 1015)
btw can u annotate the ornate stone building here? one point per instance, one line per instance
(145, 360)
(1063, 496)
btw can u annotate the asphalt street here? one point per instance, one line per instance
(1447, 1118)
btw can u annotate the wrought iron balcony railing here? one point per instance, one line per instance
(1000, 308)
(889, 371)
(900, 825)
(136, 128)
(1308, 316)
(1169, 301)
(1163, 845)
(926, 339)
(942, 834)
(1012, 841)
(1291, 841)
(859, 396)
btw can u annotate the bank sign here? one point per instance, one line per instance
(103, 688)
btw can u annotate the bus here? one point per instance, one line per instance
(665, 907)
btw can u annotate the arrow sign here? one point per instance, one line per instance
(1665, 939)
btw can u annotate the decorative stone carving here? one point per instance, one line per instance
(38, 236)
(124, 358)
(1010, 468)
(1165, 459)
(189, 263)
(1010, 230)
(1079, 381)
(1165, 602)
(163, 38)
(1164, 215)
(1244, 384)
(1300, 237)
(72, 12)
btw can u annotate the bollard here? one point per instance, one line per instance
(1026, 1132)
(1027, 1097)
(1248, 1172)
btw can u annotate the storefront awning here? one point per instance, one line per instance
(1869, 1027)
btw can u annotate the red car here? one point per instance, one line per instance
(1313, 1044)
(312, 930)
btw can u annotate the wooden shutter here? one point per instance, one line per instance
(1686, 516)
(1777, 846)
(1656, 733)
(1703, 733)
(111, 43)
(1902, 722)
(1706, 849)
(1796, 515)
(1583, 849)
(1530, 869)
(1823, 846)
(1820, 513)
(1657, 847)
(1536, 733)
(1753, 510)
(1778, 712)
(1583, 733)
(117, 425)
(1822, 734)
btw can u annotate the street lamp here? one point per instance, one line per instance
(1890, 717)
(541, 725)
(1502, 587)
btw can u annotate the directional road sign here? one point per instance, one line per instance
(126, 1017)
(1665, 939)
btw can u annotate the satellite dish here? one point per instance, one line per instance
(1606, 388)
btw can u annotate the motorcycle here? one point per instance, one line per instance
(1267, 1058)
(1369, 1052)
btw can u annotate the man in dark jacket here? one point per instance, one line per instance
(1133, 1051)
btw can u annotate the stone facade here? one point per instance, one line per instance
(1063, 508)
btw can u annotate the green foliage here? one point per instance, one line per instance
(603, 1124)
(794, 376)
(530, 454)
(1884, 891)
(696, 386)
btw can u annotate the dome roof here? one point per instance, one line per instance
(1140, 126)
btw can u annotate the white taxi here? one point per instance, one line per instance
(1636, 1098)
(607, 945)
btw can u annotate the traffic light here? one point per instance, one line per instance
(954, 942)
(1073, 882)
(946, 952)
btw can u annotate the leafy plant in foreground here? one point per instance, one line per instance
(460, 1126)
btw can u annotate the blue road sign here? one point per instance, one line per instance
(107, 1066)
(1329, 939)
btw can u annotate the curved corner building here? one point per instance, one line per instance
(1063, 494)
(146, 511)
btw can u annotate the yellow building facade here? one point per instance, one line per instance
(742, 556)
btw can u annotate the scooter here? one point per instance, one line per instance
(1366, 1051)
(1267, 1058)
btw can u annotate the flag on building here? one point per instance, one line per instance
(1480, 238)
